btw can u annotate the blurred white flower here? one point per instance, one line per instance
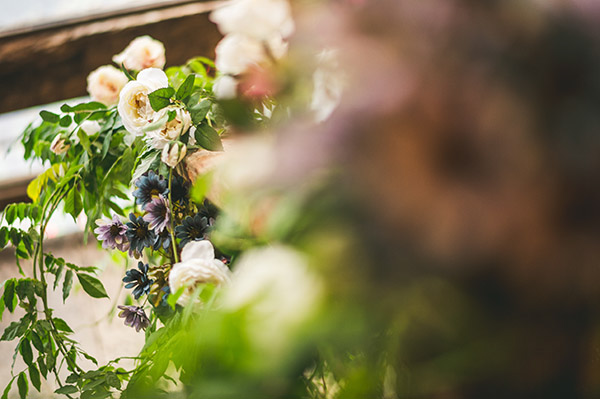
(198, 265)
(279, 291)
(59, 145)
(328, 85)
(143, 52)
(258, 19)
(246, 166)
(90, 127)
(105, 83)
(235, 53)
(134, 105)
(225, 87)
(173, 153)
(172, 129)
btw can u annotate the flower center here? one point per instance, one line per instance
(141, 232)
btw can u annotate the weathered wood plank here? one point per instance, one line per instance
(51, 64)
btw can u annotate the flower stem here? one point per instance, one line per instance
(172, 229)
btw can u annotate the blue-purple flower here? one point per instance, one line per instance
(149, 187)
(139, 234)
(138, 280)
(134, 317)
(192, 228)
(180, 189)
(158, 214)
(112, 233)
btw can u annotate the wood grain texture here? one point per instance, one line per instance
(51, 64)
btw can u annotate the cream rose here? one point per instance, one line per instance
(172, 129)
(225, 87)
(105, 83)
(173, 153)
(134, 105)
(143, 52)
(198, 266)
(278, 289)
(235, 53)
(259, 19)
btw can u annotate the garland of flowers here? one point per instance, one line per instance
(135, 134)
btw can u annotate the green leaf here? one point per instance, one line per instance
(126, 72)
(201, 187)
(36, 341)
(35, 187)
(50, 360)
(26, 352)
(11, 332)
(3, 237)
(157, 124)
(42, 366)
(144, 165)
(83, 107)
(73, 203)
(62, 325)
(113, 380)
(7, 389)
(34, 376)
(84, 140)
(208, 138)
(106, 143)
(23, 385)
(198, 110)
(49, 116)
(90, 358)
(9, 294)
(72, 378)
(172, 299)
(161, 98)
(92, 286)
(10, 213)
(67, 284)
(65, 121)
(186, 87)
(67, 389)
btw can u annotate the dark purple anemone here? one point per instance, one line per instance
(138, 280)
(158, 214)
(139, 235)
(149, 186)
(112, 233)
(134, 317)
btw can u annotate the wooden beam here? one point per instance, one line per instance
(51, 63)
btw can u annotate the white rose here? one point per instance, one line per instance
(279, 291)
(134, 105)
(225, 87)
(105, 83)
(198, 266)
(173, 153)
(235, 53)
(90, 127)
(59, 145)
(143, 52)
(172, 129)
(259, 19)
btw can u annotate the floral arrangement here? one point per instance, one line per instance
(351, 201)
(122, 160)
